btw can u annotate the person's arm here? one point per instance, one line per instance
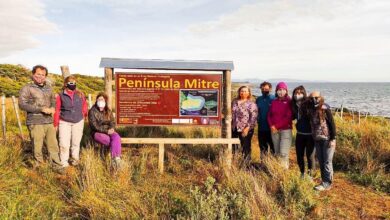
(253, 112)
(95, 124)
(24, 96)
(112, 121)
(57, 111)
(85, 107)
(331, 124)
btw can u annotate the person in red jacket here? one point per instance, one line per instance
(71, 109)
(280, 121)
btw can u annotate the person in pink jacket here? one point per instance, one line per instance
(280, 121)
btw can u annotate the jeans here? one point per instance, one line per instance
(246, 142)
(282, 143)
(325, 157)
(305, 143)
(113, 141)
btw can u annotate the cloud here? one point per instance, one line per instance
(21, 21)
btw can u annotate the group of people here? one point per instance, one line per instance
(315, 127)
(64, 113)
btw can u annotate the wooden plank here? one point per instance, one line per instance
(180, 141)
(65, 71)
(157, 64)
(161, 157)
(108, 85)
(90, 101)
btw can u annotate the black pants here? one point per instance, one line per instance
(305, 143)
(265, 141)
(246, 143)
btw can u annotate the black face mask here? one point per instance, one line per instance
(71, 86)
(315, 102)
(265, 93)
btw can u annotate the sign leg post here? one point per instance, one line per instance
(161, 158)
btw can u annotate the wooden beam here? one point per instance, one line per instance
(226, 105)
(180, 140)
(65, 71)
(108, 84)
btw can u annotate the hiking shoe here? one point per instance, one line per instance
(323, 186)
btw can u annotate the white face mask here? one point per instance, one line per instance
(101, 104)
(281, 92)
(298, 97)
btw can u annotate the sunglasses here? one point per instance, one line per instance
(71, 83)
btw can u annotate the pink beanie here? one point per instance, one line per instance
(281, 85)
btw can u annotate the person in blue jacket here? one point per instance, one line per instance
(263, 103)
(304, 142)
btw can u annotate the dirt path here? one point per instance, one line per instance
(347, 200)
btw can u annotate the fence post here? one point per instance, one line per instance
(89, 101)
(3, 115)
(17, 117)
(65, 71)
(359, 117)
(161, 157)
(341, 111)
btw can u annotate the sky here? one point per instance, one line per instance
(329, 40)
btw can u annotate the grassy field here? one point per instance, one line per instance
(196, 184)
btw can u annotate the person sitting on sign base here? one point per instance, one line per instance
(102, 123)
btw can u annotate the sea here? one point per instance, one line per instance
(372, 98)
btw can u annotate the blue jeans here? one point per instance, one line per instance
(325, 157)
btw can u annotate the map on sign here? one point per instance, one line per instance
(199, 102)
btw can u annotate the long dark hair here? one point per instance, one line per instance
(303, 101)
(107, 110)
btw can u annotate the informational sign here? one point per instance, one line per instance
(153, 99)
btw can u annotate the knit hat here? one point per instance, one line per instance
(281, 85)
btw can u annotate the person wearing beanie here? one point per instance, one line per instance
(280, 121)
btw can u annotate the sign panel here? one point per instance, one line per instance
(153, 99)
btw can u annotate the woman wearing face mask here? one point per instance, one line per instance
(102, 123)
(280, 121)
(71, 109)
(244, 117)
(304, 140)
(324, 134)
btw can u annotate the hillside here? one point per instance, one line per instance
(13, 77)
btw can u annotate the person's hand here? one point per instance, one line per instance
(274, 130)
(48, 111)
(245, 132)
(110, 131)
(332, 143)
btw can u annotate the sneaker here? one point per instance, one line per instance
(302, 176)
(74, 163)
(116, 163)
(323, 186)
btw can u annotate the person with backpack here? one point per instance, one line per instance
(324, 134)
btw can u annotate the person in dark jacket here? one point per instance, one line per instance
(304, 142)
(102, 123)
(263, 103)
(71, 109)
(324, 134)
(38, 100)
